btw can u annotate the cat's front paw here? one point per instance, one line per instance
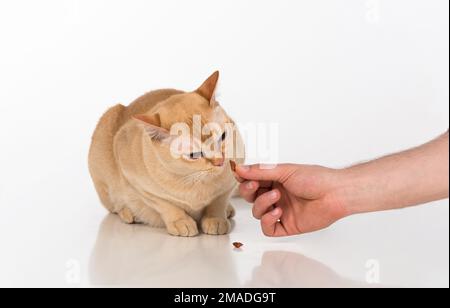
(216, 225)
(186, 227)
(230, 211)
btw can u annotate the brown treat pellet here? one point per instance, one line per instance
(237, 245)
(233, 166)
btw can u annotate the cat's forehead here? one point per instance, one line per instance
(219, 116)
(213, 115)
(214, 118)
(192, 108)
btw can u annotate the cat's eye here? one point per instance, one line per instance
(196, 155)
(224, 136)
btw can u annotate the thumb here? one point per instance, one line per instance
(275, 173)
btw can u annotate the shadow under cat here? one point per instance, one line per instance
(136, 255)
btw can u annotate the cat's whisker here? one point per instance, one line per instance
(197, 176)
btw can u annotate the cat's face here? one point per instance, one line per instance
(192, 134)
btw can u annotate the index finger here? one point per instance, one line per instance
(260, 172)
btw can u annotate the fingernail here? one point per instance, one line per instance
(250, 185)
(273, 195)
(244, 168)
(275, 212)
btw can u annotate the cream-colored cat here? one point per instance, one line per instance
(160, 162)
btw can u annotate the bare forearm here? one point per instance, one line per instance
(405, 179)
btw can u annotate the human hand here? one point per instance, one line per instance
(295, 199)
(292, 199)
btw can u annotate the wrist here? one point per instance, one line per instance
(354, 191)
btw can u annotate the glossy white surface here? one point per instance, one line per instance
(346, 81)
(86, 247)
(340, 257)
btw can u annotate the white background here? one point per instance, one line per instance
(346, 81)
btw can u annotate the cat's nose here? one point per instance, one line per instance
(218, 162)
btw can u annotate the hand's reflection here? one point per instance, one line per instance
(136, 255)
(282, 269)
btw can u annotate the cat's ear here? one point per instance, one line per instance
(208, 88)
(152, 125)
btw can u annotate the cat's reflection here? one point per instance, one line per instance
(283, 269)
(136, 255)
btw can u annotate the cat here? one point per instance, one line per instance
(146, 173)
